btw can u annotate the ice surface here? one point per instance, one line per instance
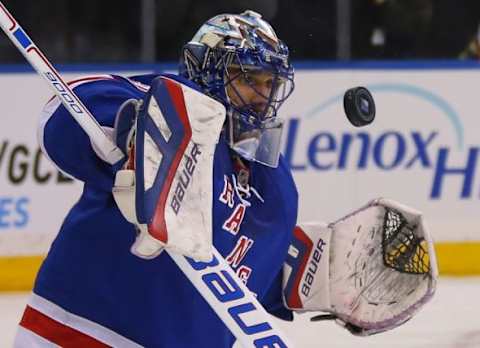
(450, 320)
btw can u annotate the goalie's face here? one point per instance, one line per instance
(254, 96)
(250, 90)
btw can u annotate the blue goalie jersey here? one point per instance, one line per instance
(91, 291)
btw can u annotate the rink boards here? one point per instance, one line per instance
(423, 150)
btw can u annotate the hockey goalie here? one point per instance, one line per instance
(203, 169)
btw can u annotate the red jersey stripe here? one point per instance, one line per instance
(57, 332)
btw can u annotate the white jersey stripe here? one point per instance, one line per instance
(28, 339)
(45, 115)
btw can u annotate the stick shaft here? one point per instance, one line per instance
(233, 302)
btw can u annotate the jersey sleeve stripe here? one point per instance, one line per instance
(45, 115)
(56, 332)
(53, 104)
(78, 82)
(25, 338)
(66, 329)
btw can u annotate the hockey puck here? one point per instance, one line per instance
(359, 106)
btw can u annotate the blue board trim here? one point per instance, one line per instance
(299, 65)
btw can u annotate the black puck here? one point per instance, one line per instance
(359, 106)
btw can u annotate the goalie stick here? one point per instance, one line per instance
(44, 68)
(229, 297)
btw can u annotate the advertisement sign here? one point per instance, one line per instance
(422, 150)
(34, 196)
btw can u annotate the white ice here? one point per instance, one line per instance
(450, 320)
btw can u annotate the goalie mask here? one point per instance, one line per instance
(239, 60)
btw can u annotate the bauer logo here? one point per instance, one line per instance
(418, 131)
(184, 177)
(241, 310)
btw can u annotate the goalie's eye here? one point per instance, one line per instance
(244, 79)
